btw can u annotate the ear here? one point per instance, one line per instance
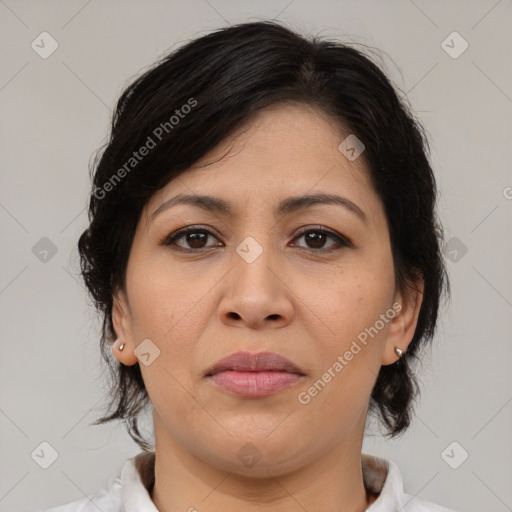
(402, 327)
(122, 320)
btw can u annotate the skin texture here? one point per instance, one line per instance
(304, 305)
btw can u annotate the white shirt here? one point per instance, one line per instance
(131, 492)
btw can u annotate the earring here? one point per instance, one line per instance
(399, 352)
(121, 347)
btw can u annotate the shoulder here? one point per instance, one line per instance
(129, 491)
(408, 502)
(383, 477)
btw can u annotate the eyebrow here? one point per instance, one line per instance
(285, 207)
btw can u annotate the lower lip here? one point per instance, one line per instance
(255, 384)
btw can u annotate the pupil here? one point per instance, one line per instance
(196, 237)
(316, 238)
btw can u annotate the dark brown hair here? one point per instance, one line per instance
(196, 96)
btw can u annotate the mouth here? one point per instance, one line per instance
(259, 362)
(254, 375)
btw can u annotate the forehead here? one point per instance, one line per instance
(280, 134)
(286, 150)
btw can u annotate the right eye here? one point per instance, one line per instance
(193, 236)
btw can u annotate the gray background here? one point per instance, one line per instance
(55, 113)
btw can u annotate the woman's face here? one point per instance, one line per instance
(264, 279)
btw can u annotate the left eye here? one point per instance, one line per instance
(318, 236)
(196, 239)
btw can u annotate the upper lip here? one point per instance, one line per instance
(261, 361)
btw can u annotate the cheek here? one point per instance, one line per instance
(164, 295)
(349, 343)
(346, 312)
(171, 305)
(355, 293)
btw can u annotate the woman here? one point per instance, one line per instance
(264, 249)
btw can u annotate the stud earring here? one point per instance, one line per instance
(121, 347)
(399, 352)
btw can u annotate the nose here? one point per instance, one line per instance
(255, 293)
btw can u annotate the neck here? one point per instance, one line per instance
(331, 483)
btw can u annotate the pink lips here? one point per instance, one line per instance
(254, 375)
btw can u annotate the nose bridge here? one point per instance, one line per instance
(255, 237)
(256, 242)
(253, 259)
(255, 292)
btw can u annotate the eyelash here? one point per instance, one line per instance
(341, 240)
